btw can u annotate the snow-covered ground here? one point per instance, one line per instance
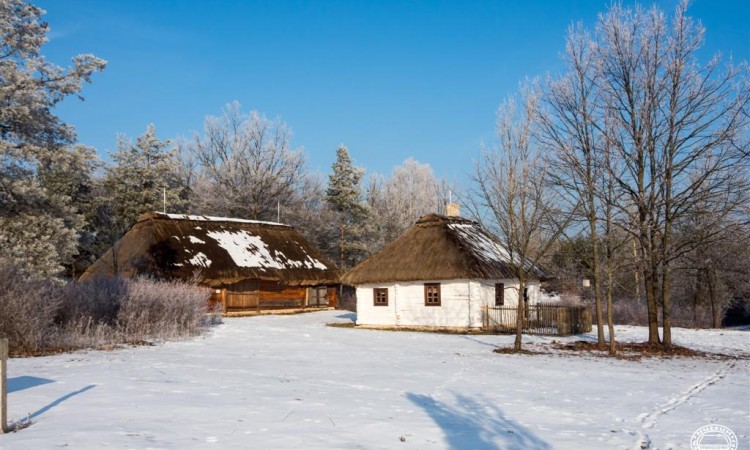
(281, 382)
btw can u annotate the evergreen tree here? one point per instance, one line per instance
(38, 222)
(344, 195)
(141, 176)
(69, 178)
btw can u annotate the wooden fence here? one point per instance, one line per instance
(277, 298)
(538, 319)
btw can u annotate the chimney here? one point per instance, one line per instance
(452, 209)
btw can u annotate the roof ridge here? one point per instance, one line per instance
(440, 218)
(202, 218)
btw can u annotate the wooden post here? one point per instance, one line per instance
(224, 300)
(3, 385)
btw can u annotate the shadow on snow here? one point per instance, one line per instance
(60, 400)
(477, 425)
(350, 315)
(26, 382)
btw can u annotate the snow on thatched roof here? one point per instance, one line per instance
(215, 219)
(438, 248)
(220, 250)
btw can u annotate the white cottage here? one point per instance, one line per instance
(441, 272)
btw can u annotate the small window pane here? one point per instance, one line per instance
(499, 294)
(380, 296)
(432, 294)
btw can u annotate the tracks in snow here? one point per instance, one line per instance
(648, 420)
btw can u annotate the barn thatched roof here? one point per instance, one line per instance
(438, 248)
(219, 250)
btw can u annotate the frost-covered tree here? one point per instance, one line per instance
(38, 225)
(411, 191)
(344, 195)
(313, 216)
(69, 177)
(679, 129)
(244, 166)
(140, 177)
(512, 196)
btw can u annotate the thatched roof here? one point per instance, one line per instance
(438, 248)
(219, 250)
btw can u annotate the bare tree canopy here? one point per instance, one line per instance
(245, 165)
(511, 196)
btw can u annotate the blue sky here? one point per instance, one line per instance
(390, 79)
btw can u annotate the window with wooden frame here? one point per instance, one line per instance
(380, 296)
(499, 294)
(432, 294)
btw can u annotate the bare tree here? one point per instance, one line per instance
(245, 165)
(512, 197)
(680, 129)
(569, 131)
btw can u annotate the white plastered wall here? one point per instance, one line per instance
(461, 303)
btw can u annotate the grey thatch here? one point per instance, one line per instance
(439, 248)
(216, 251)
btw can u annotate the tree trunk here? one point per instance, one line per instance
(595, 273)
(711, 280)
(665, 308)
(649, 283)
(636, 272)
(610, 324)
(696, 297)
(609, 251)
(519, 315)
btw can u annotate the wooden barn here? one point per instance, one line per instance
(442, 272)
(249, 265)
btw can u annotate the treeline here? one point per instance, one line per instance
(62, 206)
(629, 169)
(242, 166)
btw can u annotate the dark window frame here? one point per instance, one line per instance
(432, 294)
(499, 294)
(376, 300)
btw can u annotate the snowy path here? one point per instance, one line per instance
(290, 382)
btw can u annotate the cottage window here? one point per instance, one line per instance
(432, 294)
(499, 294)
(380, 296)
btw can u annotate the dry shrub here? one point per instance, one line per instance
(348, 299)
(95, 300)
(627, 313)
(27, 310)
(162, 310)
(43, 316)
(631, 312)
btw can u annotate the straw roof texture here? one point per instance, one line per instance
(215, 249)
(438, 248)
